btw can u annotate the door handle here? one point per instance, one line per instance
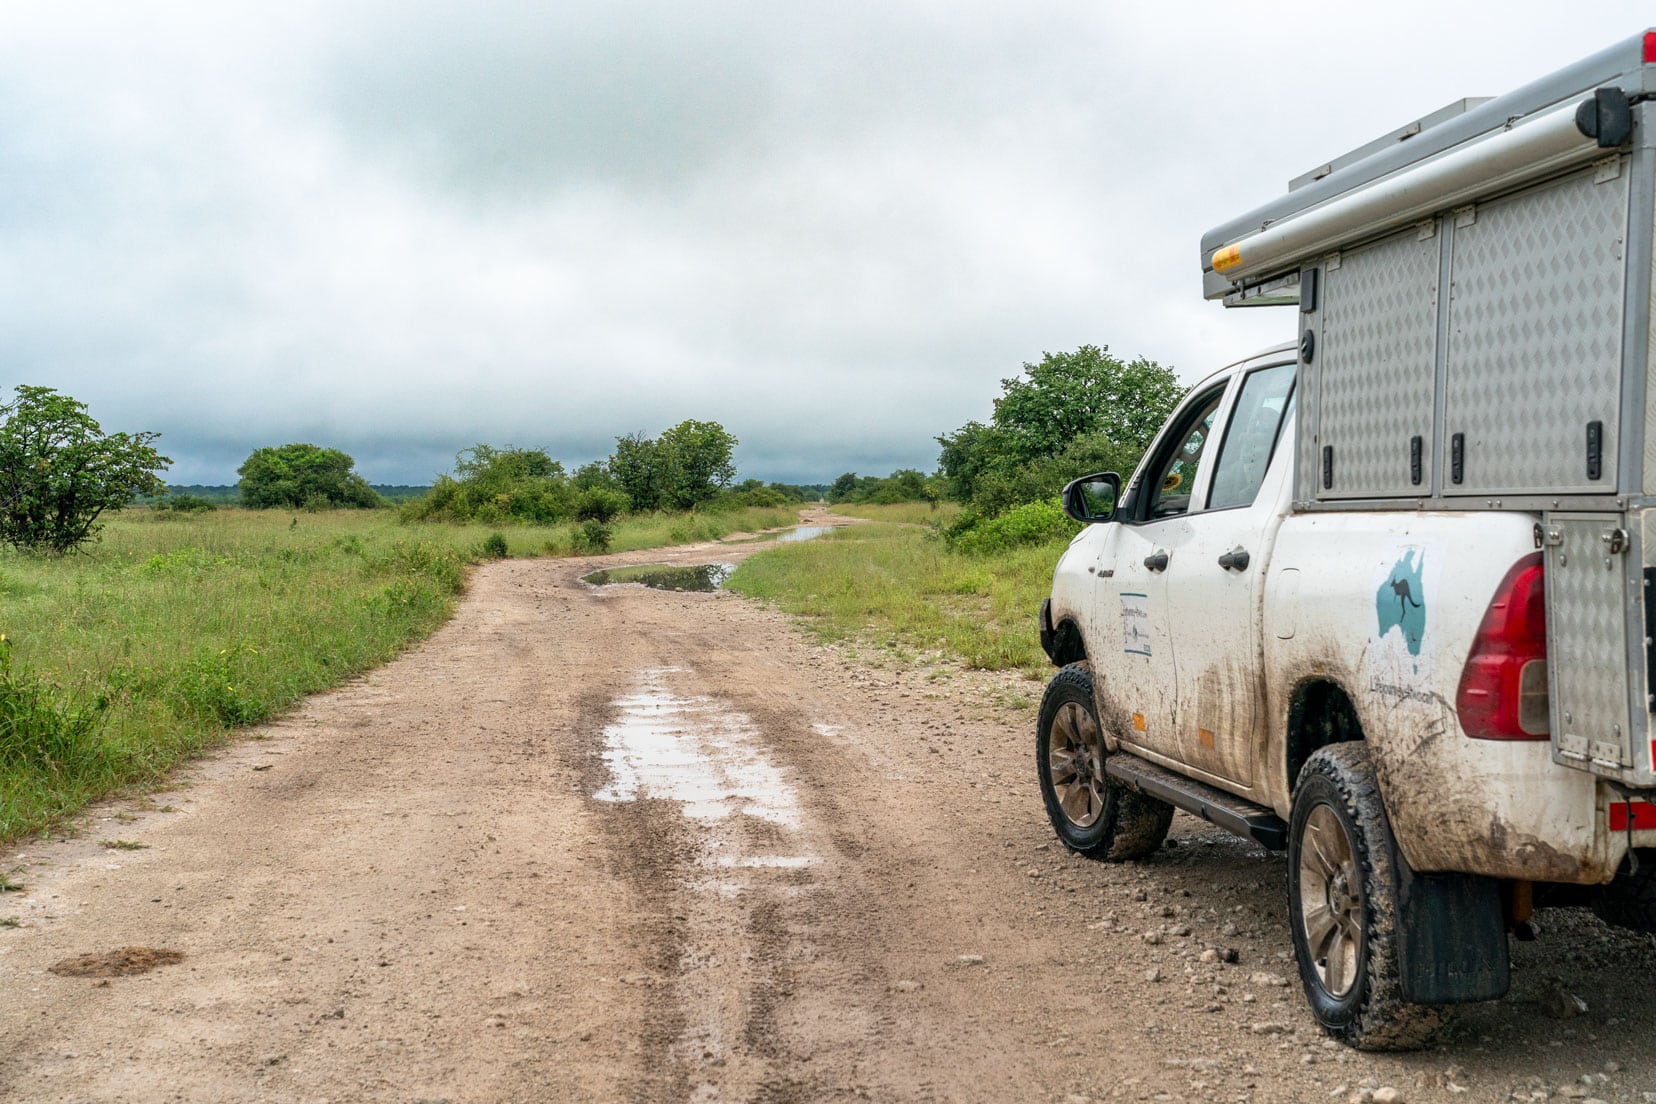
(1156, 561)
(1235, 560)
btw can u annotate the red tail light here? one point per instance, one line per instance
(1503, 688)
(1650, 47)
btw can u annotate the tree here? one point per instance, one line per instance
(843, 488)
(496, 485)
(59, 470)
(967, 453)
(689, 465)
(303, 476)
(1087, 391)
(696, 462)
(636, 466)
(1068, 415)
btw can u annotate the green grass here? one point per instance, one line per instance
(891, 584)
(174, 629)
(661, 530)
(904, 513)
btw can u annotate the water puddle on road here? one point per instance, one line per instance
(737, 892)
(694, 751)
(702, 578)
(805, 532)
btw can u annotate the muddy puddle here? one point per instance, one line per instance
(704, 578)
(805, 532)
(798, 533)
(693, 751)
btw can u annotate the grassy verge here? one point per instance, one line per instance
(174, 629)
(627, 534)
(892, 584)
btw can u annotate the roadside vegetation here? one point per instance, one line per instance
(968, 579)
(177, 627)
(894, 586)
(126, 650)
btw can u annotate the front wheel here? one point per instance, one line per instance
(1343, 905)
(1091, 812)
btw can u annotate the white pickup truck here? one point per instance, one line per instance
(1383, 596)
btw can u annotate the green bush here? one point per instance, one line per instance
(601, 504)
(494, 546)
(593, 536)
(1030, 524)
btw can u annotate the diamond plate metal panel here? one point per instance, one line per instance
(1587, 642)
(1306, 480)
(1535, 337)
(1379, 341)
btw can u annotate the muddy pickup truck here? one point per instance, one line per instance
(1382, 597)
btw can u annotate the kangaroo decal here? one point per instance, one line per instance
(1405, 593)
(1403, 586)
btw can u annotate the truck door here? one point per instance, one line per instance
(1214, 584)
(1134, 654)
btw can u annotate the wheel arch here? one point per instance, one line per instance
(1320, 712)
(1067, 645)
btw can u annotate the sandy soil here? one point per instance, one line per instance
(633, 845)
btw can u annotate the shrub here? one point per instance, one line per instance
(603, 504)
(494, 546)
(1031, 523)
(593, 536)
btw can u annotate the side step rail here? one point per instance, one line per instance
(1232, 813)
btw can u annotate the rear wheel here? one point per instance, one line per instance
(1091, 812)
(1630, 900)
(1343, 905)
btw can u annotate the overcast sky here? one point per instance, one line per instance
(402, 228)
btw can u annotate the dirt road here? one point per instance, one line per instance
(633, 845)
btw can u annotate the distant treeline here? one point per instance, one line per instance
(229, 494)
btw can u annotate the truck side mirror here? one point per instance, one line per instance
(1092, 498)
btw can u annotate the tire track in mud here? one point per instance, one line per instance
(713, 837)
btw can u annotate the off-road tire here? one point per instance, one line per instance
(1630, 902)
(1126, 824)
(1337, 796)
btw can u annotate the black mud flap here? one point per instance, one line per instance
(1048, 634)
(1451, 937)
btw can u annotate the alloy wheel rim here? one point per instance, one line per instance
(1331, 900)
(1075, 763)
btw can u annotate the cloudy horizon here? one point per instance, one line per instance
(400, 230)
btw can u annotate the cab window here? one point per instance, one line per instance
(1174, 472)
(1255, 423)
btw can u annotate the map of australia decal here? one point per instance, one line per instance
(1399, 603)
(1401, 658)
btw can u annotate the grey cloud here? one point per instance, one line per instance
(402, 229)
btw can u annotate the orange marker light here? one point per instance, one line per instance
(1227, 258)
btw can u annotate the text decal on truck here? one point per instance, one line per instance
(1135, 623)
